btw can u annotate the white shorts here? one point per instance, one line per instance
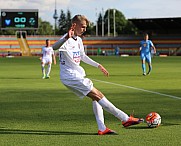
(46, 60)
(80, 87)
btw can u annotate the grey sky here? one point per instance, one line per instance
(130, 8)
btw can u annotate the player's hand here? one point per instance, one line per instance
(106, 73)
(40, 58)
(71, 31)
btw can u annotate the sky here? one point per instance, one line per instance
(89, 8)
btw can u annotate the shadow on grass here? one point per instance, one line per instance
(41, 132)
(146, 127)
(20, 78)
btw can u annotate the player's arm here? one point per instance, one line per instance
(154, 49)
(89, 61)
(106, 73)
(60, 42)
(41, 57)
(63, 39)
(54, 58)
(140, 48)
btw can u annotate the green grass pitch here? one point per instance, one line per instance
(37, 112)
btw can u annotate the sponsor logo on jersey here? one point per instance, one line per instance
(76, 56)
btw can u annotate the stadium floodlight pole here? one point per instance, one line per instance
(114, 11)
(97, 28)
(108, 33)
(102, 22)
(96, 23)
(55, 16)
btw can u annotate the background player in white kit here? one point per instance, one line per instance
(47, 54)
(73, 75)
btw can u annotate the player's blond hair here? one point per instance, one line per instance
(79, 18)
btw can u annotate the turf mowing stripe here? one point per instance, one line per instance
(171, 96)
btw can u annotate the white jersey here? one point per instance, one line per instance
(71, 53)
(47, 52)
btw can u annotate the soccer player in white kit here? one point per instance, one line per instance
(74, 78)
(47, 54)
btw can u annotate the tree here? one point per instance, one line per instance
(120, 21)
(122, 25)
(45, 28)
(130, 28)
(64, 22)
(99, 25)
(7, 32)
(68, 19)
(90, 29)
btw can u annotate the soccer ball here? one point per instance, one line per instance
(153, 120)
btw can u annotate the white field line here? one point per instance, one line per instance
(115, 84)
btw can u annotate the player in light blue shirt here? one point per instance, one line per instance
(146, 46)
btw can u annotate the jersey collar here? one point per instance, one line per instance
(74, 37)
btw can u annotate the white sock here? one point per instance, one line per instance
(109, 107)
(98, 112)
(43, 69)
(49, 69)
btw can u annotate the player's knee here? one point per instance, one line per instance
(94, 96)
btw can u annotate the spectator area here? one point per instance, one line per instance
(9, 44)
(37, 42)
(158, 25)
(165, 44)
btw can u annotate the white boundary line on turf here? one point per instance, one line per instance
(171, 96)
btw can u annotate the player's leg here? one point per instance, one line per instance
(108, 106)
(43, 69)
(143, 63)
(48, 70)
(148, 58)
(49, 63)
(81, 88)
(150, 68)
(143, 67)
(99, 115)
(98, 112)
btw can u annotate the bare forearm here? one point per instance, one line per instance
(105, 72)
(154, 49)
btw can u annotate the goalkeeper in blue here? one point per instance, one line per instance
(146, 47)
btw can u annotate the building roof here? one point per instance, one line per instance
(159, 25)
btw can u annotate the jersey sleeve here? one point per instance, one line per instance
(151, 44)
(85, 58)
(65, 45)
(59, 43)
(88, 60)
(62, 48)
